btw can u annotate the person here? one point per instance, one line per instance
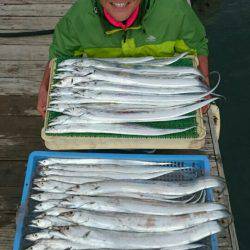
(127, 28)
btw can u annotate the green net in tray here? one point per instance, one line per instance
(185, 123)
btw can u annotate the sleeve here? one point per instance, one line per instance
(65, 40)
(192, 31)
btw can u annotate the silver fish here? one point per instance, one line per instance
(102, 174)
(102, 85)
(157, 115)
(125, 129)
(126, 60)
(126, 240)
(57, 244)
(142, 98)
(113, 168)
(147, 187)
(48, 196)
(50, 221)
(123, 60)
(56, 234)
(52, 186)
(140, 222)
(45, 205)
(101, 161)
(130, 78)
(130, 205)
(70, 179)
(54, 211)
(173, 71)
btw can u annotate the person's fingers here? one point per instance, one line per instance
(41, 109)
(205, 109)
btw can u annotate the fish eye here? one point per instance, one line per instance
(77, 186)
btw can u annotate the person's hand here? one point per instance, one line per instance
(43, 92)
(42, 100)
(206, 108)
(203, 67)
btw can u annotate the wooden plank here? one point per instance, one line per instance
(233, 236)
(19, 148)
(27, 23)
(45, 10)
(7, 233)
(22, 69)
(24, 52)
(12, 173)
(19, 2)
(24, 105)
(34, 40)
(19, 86)
(20, 127)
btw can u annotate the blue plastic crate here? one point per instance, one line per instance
(199, 161)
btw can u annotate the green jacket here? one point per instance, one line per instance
(163, 28)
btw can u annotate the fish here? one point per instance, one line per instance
(124, 129)
(45, 205)
(57, 244)
(54, 211)
(69, 179)
(112, 168)
(59, 89)
(130, 205)
(91, 74)
(45, 196)
(83, 73)
(156, 115)
(166, 61)
(50, 221)
(129, 240)
(101, 161)
(140, 98)
(101, 174)
(149, 80)
(123, 60)
(173, 71)
(126, 60)
(125, 187)
(52, 186)
(140, 222)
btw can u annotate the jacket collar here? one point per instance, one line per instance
(145, 9)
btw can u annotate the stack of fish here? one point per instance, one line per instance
(115, 204)
(115, 95)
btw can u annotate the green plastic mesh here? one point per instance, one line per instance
(185, 123)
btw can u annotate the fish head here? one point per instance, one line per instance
(37, 236)
(41, 223)
(69, 214)
(32, 237)
(42, 172)
(36, 197)
(67, 62)
(40, 184)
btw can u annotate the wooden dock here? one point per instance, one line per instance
(22, 61)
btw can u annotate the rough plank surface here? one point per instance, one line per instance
(45, 10)
(27, 23)
(24, 52)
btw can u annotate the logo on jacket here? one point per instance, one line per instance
(151, 39)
